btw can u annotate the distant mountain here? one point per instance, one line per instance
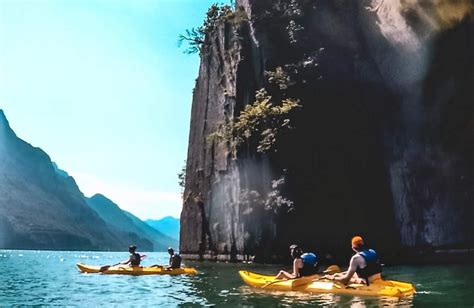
(167, 225)
(41, 207)
(167, 241)
(126, 222)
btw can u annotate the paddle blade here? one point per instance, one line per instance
(104, 268)
(332, 269)
(308, 279)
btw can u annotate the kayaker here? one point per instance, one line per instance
(304, 264)
(134, 259)
(175, 259)
(364, 266)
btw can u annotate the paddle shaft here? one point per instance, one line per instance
(275, 281)
(330, 269)
(106, 267)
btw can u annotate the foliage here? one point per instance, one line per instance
(272, 201)
(215, 14)
(263, 117)
(195, 38)
(278, 77)
(294, 31)
(182, 177)
(275, 200)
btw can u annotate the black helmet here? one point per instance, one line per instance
(296, 251)
(132, 248)
(170, 249)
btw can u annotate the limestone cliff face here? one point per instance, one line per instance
(381, 147)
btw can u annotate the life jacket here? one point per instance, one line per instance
(135, 259)
(373, 266)
(175, 261)
(310, 263)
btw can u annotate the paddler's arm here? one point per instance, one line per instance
(346, 277)
(297, 264)
(126, 262)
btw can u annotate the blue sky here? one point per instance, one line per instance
(102, 87)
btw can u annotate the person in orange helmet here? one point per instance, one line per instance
(364, 266)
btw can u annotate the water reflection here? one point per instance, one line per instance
(51, 278)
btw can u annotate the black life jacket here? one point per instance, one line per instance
(175, 261)
(373, 266)
(135, 259)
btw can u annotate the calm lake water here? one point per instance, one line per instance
(50, 278)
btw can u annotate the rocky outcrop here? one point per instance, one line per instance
(381, 147)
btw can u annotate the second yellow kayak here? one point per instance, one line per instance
(138, 270)
(316, 284)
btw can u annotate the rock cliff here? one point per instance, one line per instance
(383, 143)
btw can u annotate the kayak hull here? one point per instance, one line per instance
(136, 270)
(317, 284)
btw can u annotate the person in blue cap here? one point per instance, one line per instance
(304, 264)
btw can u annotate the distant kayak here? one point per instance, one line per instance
(137, 271)
(316, 284)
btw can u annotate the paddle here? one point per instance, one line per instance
(163, 268)
(332, 269)
(106, 267)
(304, 280)
(281, 280)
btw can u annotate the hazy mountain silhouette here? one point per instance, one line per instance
(167, 225)
(127, 222)
(41, 206)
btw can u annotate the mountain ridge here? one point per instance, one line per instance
(168, 225)
(42, 207)
(127, 222)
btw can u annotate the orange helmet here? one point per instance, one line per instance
(357, 241)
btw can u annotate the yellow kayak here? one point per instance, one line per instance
(136, 270)
(317, 284)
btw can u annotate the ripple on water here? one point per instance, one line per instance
(52, 279)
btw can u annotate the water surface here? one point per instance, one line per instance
(51, 278)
